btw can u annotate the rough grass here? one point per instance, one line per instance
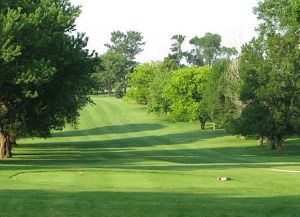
(125, 162)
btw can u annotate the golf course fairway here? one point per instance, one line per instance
(124, 162)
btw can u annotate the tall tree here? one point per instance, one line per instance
(140, 81)
(148, 81)
(207, 49)
(221, 93)
(112, 69)
(177, 54)
(129, 45)
(185, 93)
(45, 77)
(270, 70)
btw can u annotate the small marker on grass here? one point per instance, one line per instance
(224, 178)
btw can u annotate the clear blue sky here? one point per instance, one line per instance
(158, 20)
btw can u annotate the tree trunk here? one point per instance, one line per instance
(214, 126)
(202, 121)
(5, 145)
(279, 145)
(13, 142)
(271, 143)
(9, 145)
(260, 141)
(125, 89)
(2, 144)
(109, 90)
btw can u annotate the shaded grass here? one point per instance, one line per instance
(125, 162)
(123, 204)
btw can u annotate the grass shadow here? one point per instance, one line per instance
(129, 153)
(113, 129)
(31, 203)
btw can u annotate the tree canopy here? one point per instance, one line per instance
(45, 71)
(207, 49)
(111, 69)
(177, 54)
(130, 44)
(119, 61)
(140, 81)
(185, 92)
(221, 93)
(270, 71)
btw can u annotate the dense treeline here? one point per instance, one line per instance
(189, 93)
(118, 63)
(254, 94)
(170, 91)
(174, 87)
(190, 85)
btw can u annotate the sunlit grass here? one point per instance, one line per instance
(125, 162)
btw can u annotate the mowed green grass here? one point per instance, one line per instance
(124, 162)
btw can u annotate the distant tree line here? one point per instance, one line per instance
(253, 94)
(118, 62)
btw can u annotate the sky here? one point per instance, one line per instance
(159, 20)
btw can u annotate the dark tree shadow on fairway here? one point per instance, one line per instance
(130, 142)
(128, 153)
(113, 129)
(31, 203)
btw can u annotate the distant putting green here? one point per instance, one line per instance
(123, 162)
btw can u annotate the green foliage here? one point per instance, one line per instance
(111, 70)
(157, 100)
(118, 62)
(279, 17)
(185, 92)
(177, 54)
(147, 84)
(270, 70)
(140, 81)
(207, 49)
(213, 97)
(120, 88)
(128, 44)
(44, 70)
(169, 90)
(221, 94)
